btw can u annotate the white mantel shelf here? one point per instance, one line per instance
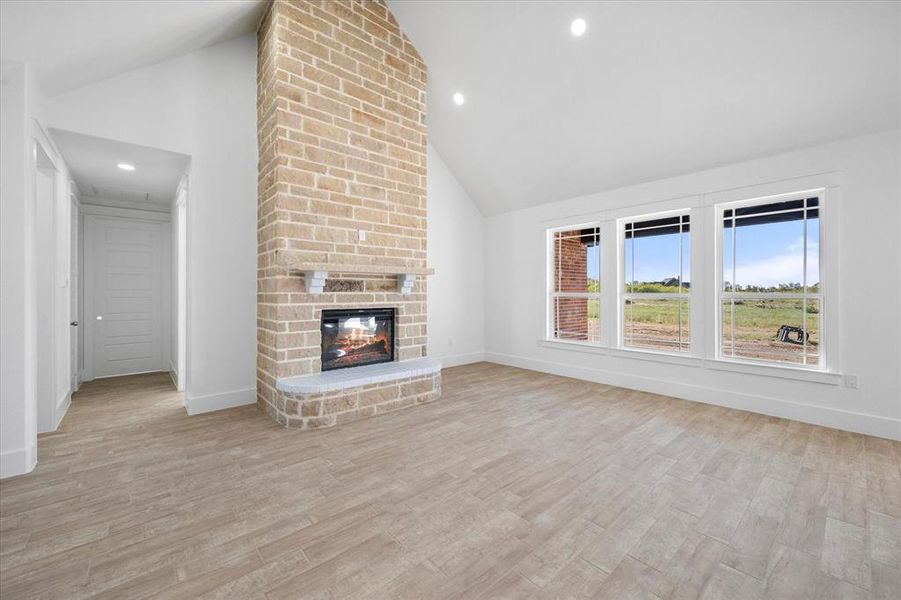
(315, 273)
(342, 379)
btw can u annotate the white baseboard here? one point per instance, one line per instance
(211, 402)
(62, 407)
(846, 420)
(173, 373)
(56, 417)
(456, 360)
(18, 462)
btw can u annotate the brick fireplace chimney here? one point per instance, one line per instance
(342, 184)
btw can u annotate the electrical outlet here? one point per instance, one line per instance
(361, 235)
(851, 381)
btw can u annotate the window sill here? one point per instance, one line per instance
(662, 357)
(784, 372)
(590, 348)
(733, 366)
(574, 345)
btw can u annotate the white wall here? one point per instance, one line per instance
(18, 418)
(869, 325)
(202, 104)
(34, 254)
(455, 249)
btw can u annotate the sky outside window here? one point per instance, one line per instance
(656, 258)
(594, 265)
(772, 254)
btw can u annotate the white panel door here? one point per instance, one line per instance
(123, 307)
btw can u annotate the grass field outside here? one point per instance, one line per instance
(655, 324)
(756, 324)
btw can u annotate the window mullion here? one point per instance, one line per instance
(609, 275)
(679, 301)
(805, 335)
(732, 301)
(632, 288)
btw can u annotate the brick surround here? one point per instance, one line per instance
(342, 149)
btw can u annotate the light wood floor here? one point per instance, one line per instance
(514, 485)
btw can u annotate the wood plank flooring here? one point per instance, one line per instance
(515, 485)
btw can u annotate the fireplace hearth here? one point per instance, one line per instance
(357, 337)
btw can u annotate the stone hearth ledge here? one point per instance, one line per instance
(342, 379)
(344, 395)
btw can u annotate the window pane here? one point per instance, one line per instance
(577, 319)
(770, 257)
(813, 253)
(653, 264)
(577, 260)
(657, 256)
(812, 328)
(628, 266)
(657, 324)
(728, 275)
(771, 243)
(774, 330)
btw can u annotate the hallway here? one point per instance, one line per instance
(116, 402)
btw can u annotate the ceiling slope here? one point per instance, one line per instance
(72, 43)
(653, 90)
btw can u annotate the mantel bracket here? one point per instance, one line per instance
(405, 283)
(315, 281)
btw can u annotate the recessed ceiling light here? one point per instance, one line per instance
(126, 167)
(459, 99)
(578, 27)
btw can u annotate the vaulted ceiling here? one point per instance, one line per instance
(652, 90)
(72, 44)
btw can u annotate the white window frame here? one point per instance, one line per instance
(722, 296)
(622, 295)
(552, 294)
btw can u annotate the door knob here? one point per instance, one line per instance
(74, 323)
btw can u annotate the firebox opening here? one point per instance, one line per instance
(356, 337)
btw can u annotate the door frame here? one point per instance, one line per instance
(180, 246)
(75, 341)
(50, 339)
(90, 214)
